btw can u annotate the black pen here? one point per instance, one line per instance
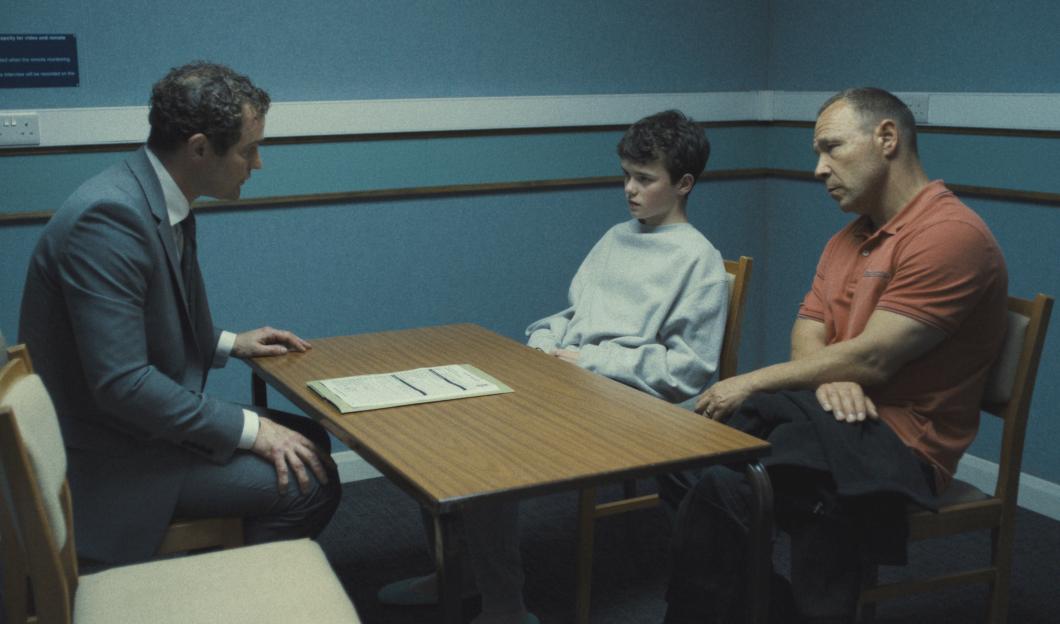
(443, 378)
(409, 385)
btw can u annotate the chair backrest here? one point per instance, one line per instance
(34, 462)
(739, 273)
(1010, 386)
(16, 576)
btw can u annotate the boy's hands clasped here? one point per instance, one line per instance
(567, 355)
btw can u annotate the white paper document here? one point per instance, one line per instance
(420, 385)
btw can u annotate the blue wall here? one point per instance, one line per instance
(504, 259)
(326, 50)
(911, 45)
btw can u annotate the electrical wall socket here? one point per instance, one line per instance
(19, 129)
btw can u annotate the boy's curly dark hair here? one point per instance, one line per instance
(671, 136)
(202, 97)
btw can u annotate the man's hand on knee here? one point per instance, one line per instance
(847, 401)
(290, 451)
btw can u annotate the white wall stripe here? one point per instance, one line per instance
(352, 467)
(105, 125)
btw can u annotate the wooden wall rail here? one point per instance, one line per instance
(348, 197)
(1003, 194)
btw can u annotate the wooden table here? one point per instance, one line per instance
(562, 428)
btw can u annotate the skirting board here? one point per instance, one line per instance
(352, 467)
(1037, 495)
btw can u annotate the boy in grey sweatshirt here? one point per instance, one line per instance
(647, 308)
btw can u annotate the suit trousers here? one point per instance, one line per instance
(246, 487)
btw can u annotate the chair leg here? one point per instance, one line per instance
(870, 577)
(586, 529)
(17, 596)
(1001, 553)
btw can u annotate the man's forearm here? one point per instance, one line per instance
(888, 341)
(811, 368)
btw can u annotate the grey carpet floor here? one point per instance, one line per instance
(377, 537)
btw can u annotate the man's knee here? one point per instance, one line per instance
(296, 515)
(324, 498)
(724, 488)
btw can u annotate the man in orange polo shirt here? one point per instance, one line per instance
(889, 356)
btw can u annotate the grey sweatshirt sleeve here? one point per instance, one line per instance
(679, 365)
(546, 333)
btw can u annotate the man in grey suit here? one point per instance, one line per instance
(116, 319)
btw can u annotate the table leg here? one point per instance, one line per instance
(586, 530)
(760, 541)
(447, 561)
(258, 392)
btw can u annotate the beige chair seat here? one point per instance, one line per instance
(277, 583)
(281, 582)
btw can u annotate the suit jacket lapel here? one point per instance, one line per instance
(145, 174)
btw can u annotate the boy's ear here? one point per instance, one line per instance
(685, 184)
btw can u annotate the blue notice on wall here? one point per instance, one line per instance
(34, 61)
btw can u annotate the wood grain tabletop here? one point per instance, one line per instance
(562, 428)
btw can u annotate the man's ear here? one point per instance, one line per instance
(685, 184)
(197, 145)
(887, 137)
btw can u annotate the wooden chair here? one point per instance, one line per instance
(193, 534)
(278, 582)
(183, 535)
(964, 507)
(739, 272)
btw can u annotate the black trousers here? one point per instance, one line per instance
(709, 550)
(832, 535)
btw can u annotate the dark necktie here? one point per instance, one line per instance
(189, 264)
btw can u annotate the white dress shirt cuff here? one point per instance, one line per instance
(224, 349)
(251, 423)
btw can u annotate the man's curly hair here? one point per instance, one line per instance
(202, 97)
(671, 136)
